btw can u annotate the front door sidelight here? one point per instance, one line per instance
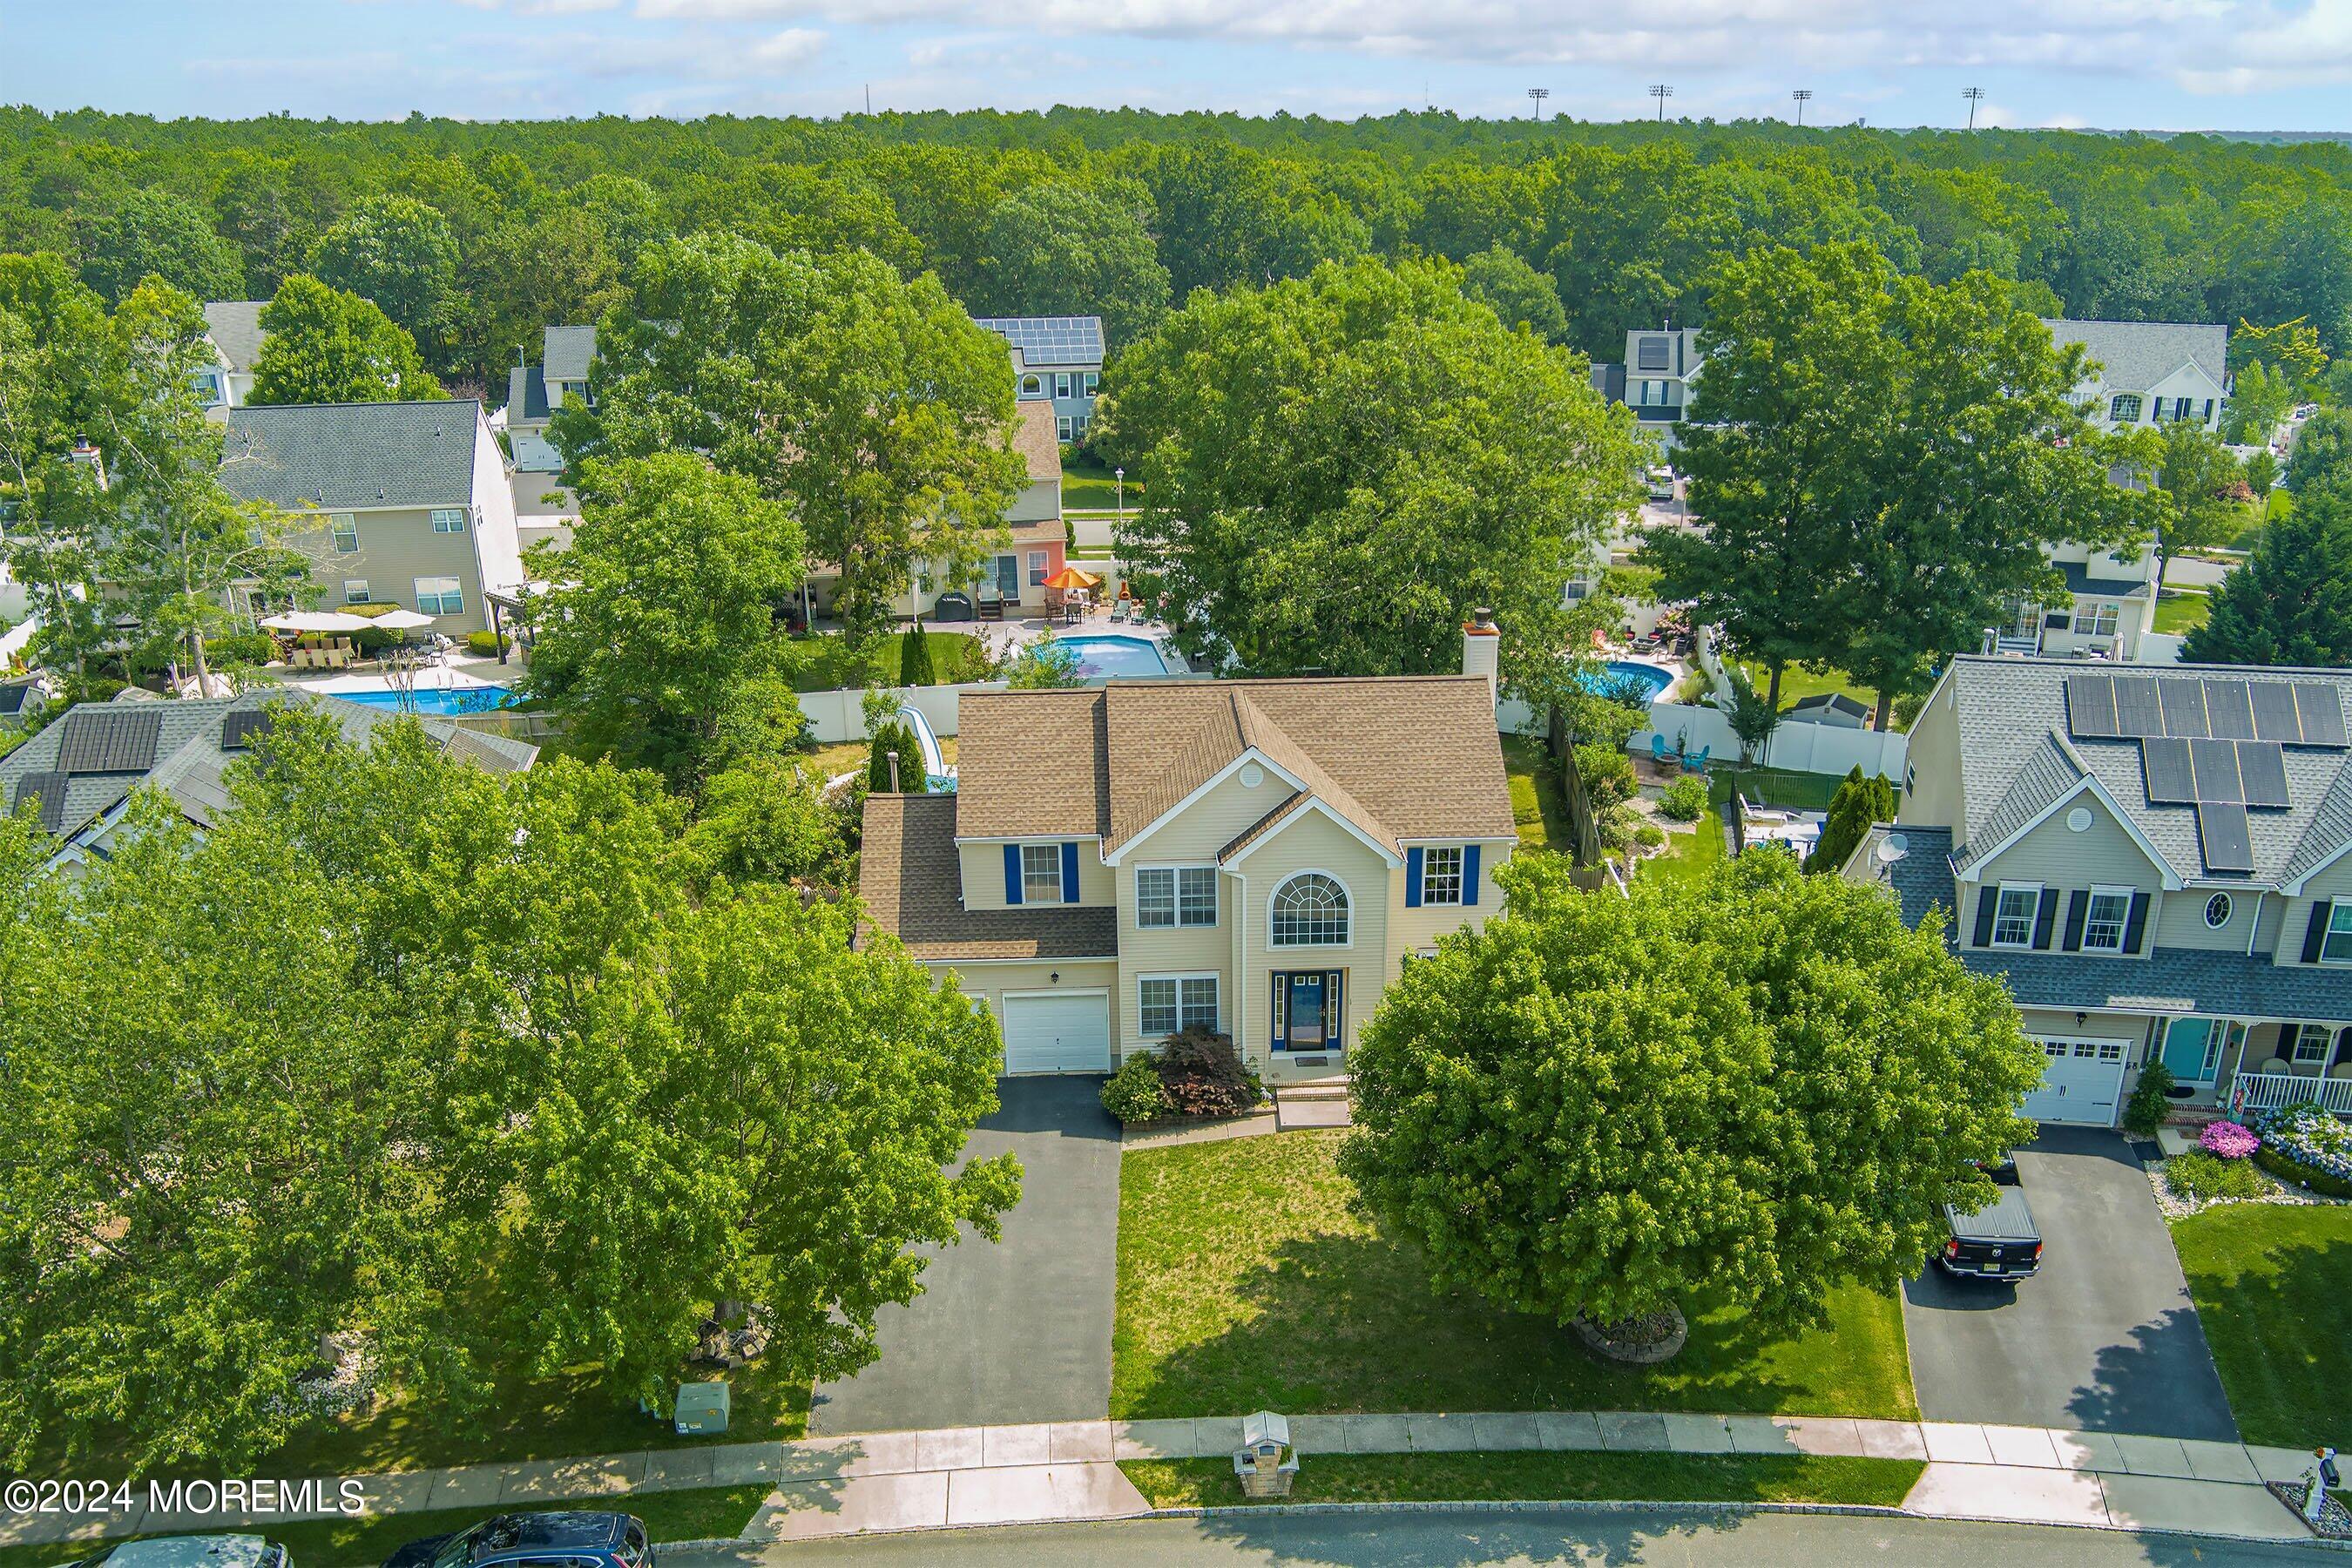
(1306, 1010)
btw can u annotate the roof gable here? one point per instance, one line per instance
(339, 455)
(234, 328)
(2134, 356)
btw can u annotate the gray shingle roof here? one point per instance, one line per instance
(526, 393)
(17, 696)
(567, 352)
(2172, 980)
(2080, 583)
(331, 455)
(2008, 709)
(189, 760)
(234, 328)
(2136, 355)
(1921, 877)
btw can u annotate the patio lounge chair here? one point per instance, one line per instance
(1658, 751)
(1697, 763)
(1122, 610)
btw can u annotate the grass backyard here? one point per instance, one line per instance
(1244, 1283)
(705, 1514)
(1088, 486)
(1579, 1477)
(2180, 611)
(2273, 1284)
(1537, 809)
(830, 668)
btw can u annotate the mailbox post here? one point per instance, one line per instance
(1260, 1464)
(2316, 1480)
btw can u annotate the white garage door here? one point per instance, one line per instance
(2082, 1081)
(1057, 1034)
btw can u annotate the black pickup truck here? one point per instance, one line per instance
(1999, 1241)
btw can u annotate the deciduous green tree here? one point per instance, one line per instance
(1746, 1090)
(156, 234)
(2323, 450)
(327, 346)
(1062, 249)
(57, 353)
(1344, 467)
(2290, 603)
(661, 633)
(401, 254)
(2204, 490)
(1517, 292)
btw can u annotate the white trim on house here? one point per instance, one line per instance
(2294, 890)
(1274, 947)
(1249, 754)
(1315, 803)
(972, 962)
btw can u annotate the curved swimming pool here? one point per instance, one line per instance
(1618, 674)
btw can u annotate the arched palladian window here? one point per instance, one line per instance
(1310, 909)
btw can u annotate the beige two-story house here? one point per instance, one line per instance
(1260, 857)
(2159, 867)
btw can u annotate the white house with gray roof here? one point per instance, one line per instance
(2159, 867)
(534, 392)
(407, 503)
(2149, 372)
(78, 774)
(233, 328)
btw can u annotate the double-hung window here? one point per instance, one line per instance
(2096, 617)
(1038, 560)
(448, 520)
(2337, 946)
(1093, 380)
(1167, 897)
(355, 591)
(2104, 923)
(1441, 876)
(1041, 873)
(1062, 384)
(346, 531)
(440, 596)
(2012, 914)
(2311, 1043)
(1062, 427)
(1170, 1004)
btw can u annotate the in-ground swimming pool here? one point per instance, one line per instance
(1625, 673)
(1102, 654)
(440, 701)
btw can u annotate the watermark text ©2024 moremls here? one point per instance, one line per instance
(256, 1496)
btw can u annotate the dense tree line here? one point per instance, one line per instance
(472, 235)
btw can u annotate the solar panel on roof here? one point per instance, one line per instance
(2221, 828)
(2137, 710)
(2090, 705)
(2183, 699)
(238, 730)
(2215, 763)
(108, 739)
(47, 793)
(2262, 768)
(2165, 764)
(2322, 712)
(2229, 710)
(2275, 717)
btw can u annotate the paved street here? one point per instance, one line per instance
(1660, 1538)
(2104, 1337)
(1019, 1330)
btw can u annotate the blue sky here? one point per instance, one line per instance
(2149, 64)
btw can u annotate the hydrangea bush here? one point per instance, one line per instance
(2230, 1141)
(2309, 1137)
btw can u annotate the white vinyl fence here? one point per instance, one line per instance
(1803, 748)
(836, 716)
(2159, 648)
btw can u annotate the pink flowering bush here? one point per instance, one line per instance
(2230, 1141)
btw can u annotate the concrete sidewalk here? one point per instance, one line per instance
(1068, 1470)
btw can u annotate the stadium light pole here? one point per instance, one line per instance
(1975, 95)
(1801, 95)
(1662, 92)
(1539, 94)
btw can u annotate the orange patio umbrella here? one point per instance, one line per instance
(1070, 577)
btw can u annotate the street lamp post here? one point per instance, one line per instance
(1119, 478)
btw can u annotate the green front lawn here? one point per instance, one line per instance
(1244, 1283)
(1538, 809)
(2273, 1284)
(1521, 1477)
(831, 668)
(711, 1513)
(2180, 611)
(1088, 485)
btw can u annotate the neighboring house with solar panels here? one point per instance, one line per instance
(534, 392)
(408, 503)
(78, 774)
(1058, 360)
(233, 328)
(1260, 857)
(2157, 866)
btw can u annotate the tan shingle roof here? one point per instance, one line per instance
(910, 879)
(1033, 438)
(1041, 768)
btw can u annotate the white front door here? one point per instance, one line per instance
(1058, 1033)
(2082, 1081)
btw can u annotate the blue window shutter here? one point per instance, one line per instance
(1412, 878)
(1470, 873)
(1012, 873)
(2314, 936)
(1069, 873)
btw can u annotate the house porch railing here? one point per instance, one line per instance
(2251, 1093)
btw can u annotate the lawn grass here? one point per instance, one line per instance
(711, 1513)
(1244, 1283)
(1795, 682)
(1088, 485)
(1538, 809)
(1689, 857)
(1783, 787)
(2273, 1284)
(1522, 1477)
(831, 668)
(2181, 610)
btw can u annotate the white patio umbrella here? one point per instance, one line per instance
(317, 621)
(396, 620)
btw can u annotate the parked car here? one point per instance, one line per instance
(559, 1540)
(1998, 1241)
(1661, 483)
(194, 1551)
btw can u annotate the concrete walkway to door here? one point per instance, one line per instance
(1018, 1331)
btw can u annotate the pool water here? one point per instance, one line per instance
(1101, 655)
(1648, 679)
(440, 701)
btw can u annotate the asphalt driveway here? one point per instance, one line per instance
(1019, 1330)
(2105, 1337)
